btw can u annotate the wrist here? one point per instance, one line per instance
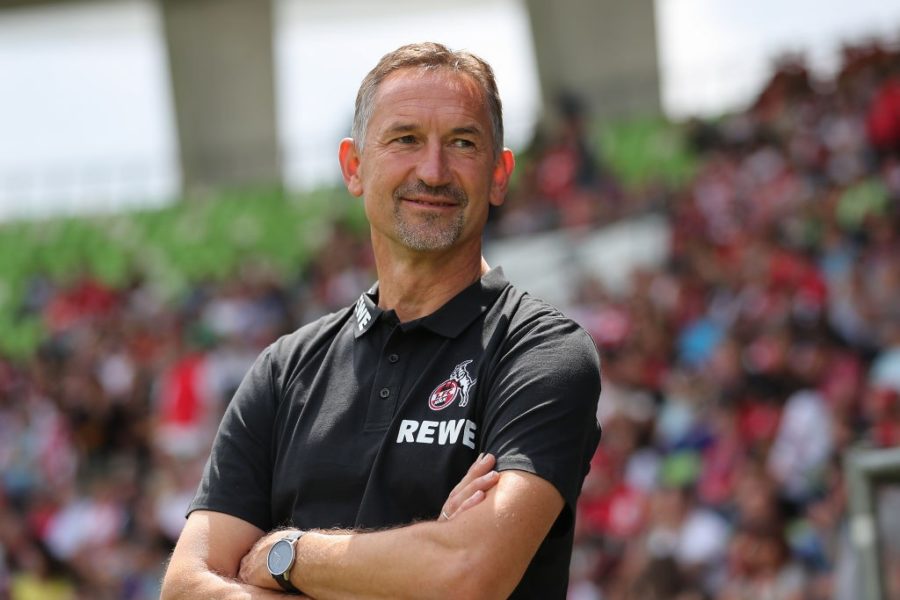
(282, 558)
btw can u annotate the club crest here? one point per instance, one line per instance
(458, 385)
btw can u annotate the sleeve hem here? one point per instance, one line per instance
(232, 513)
(521, 463)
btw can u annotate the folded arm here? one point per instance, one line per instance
(480, 553)
(209, 553)
(207, 557)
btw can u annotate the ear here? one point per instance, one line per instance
(349, 159)
(506, 162)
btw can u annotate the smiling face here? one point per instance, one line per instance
(428, 171)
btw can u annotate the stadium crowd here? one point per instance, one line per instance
(735, 376)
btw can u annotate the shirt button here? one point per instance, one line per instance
(384, 393)
(393, 358)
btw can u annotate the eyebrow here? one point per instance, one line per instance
(408, 127)
(468, 130)
(401, 128)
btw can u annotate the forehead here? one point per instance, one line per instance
(414, 90)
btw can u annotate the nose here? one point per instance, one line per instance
(433, 169)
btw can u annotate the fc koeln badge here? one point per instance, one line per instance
(458, 385)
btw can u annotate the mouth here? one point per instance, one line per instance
(430, 202)
(430, 198)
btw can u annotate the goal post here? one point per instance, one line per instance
(873, 485)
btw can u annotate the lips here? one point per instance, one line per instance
(419, 194)
(431, 202)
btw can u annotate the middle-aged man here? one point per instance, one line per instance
(334, 464)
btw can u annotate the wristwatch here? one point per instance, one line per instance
(281, 559)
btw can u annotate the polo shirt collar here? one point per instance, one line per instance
(366, 311)
(450, 319)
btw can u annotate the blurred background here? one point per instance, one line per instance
(711, 187)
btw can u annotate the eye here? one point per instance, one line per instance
(463, 143)
(406, 139)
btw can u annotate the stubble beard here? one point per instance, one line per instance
(430, 232)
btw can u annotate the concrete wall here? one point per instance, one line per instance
(223, 82)
(603, 50)
(550, 265)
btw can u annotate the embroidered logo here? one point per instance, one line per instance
(458, 385)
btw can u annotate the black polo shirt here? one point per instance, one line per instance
(359, 421)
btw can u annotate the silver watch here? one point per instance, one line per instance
(281, 558)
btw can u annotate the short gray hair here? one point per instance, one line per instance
(428, 55)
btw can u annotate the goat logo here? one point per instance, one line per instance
(458, 385)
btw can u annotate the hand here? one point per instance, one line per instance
(253, 570)
(472, 488)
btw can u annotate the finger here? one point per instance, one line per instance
(471, 501)
(478, 486)
(475, 492)
(248, 567)
(469, 474)
(464, 489)
(483, 483)
(480, 467)
(244, 569)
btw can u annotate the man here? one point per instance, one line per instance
(348, 435)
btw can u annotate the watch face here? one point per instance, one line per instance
(280, 557)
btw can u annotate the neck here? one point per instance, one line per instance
(416, 286)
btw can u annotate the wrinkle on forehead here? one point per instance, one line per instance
(455, 80)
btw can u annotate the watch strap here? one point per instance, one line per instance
(285, 583)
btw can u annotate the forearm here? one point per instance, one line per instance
(206, 561)
(191, 583)
(481, 553)
(425, 560)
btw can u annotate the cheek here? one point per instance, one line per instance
(378, 183)
(374, 208)
(472, 177)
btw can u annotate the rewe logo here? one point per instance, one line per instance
(458, 385)
(439, 432)
(362, 313)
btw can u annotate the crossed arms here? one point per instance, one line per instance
(496, 524)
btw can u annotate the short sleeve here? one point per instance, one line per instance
(541, 414)
(237, 479)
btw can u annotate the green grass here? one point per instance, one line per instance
(185, 242)
(645, 151)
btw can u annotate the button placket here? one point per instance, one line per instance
(386, 385)
(392, 358)
(390, 390)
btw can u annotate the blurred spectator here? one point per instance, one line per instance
(883, 120)
(760, 566)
